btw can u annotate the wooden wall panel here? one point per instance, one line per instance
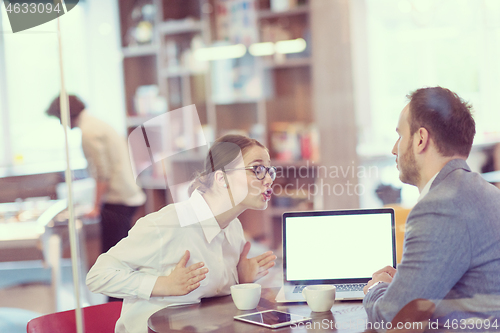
(333, 102)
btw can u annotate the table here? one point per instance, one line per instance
(216, 315)
(36, 229)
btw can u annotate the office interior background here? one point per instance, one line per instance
(320, 82)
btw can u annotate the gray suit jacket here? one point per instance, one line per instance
(451, 251)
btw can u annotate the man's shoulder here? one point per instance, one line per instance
(461, 184)
(462, 195)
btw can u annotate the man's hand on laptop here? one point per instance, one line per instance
(385, 274)
(387, 269)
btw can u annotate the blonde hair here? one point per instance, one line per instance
(222, 154)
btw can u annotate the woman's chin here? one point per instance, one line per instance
(258, 204)
(264, 205)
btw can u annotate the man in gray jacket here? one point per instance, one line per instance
(451, 250)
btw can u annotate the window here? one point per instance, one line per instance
(417, 43)
(32, 80)
(402, 45)
(92, 70)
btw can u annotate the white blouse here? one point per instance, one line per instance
(107, 155)
(154, 246)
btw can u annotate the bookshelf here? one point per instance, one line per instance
(268, 97)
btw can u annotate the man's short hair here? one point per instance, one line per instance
(446, 117)
(75, 107)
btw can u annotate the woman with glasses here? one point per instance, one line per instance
(192, 249)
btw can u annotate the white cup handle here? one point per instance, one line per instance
(304, 293)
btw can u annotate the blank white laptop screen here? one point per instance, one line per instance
(337, 246)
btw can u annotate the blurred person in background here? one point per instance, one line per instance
(117, 196)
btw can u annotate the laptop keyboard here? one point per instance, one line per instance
(340, 287)
(350, 286)
(298, 289)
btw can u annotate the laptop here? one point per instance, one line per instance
(339, 247)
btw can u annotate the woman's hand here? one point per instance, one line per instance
(250, 270)
(182, 280)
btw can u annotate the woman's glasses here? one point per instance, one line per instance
(259, 171)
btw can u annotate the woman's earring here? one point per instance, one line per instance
(225, 185)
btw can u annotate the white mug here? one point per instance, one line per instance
(246, 296)
(320, 298)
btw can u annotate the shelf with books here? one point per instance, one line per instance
(245, 95)
(237, 100)
(174, 27)
(180, 72)
(295, 164)
(156, 176)
(138, 120)
(140, 72)
(151, 183)
(140, 50)
(289, 31)
(270, 13)
(287, 63)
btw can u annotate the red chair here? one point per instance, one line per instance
(97, 319)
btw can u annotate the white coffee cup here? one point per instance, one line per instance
(320, 298)
(246, 296)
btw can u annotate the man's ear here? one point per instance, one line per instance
(422, 140)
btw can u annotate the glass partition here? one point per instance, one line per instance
(35, 260)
